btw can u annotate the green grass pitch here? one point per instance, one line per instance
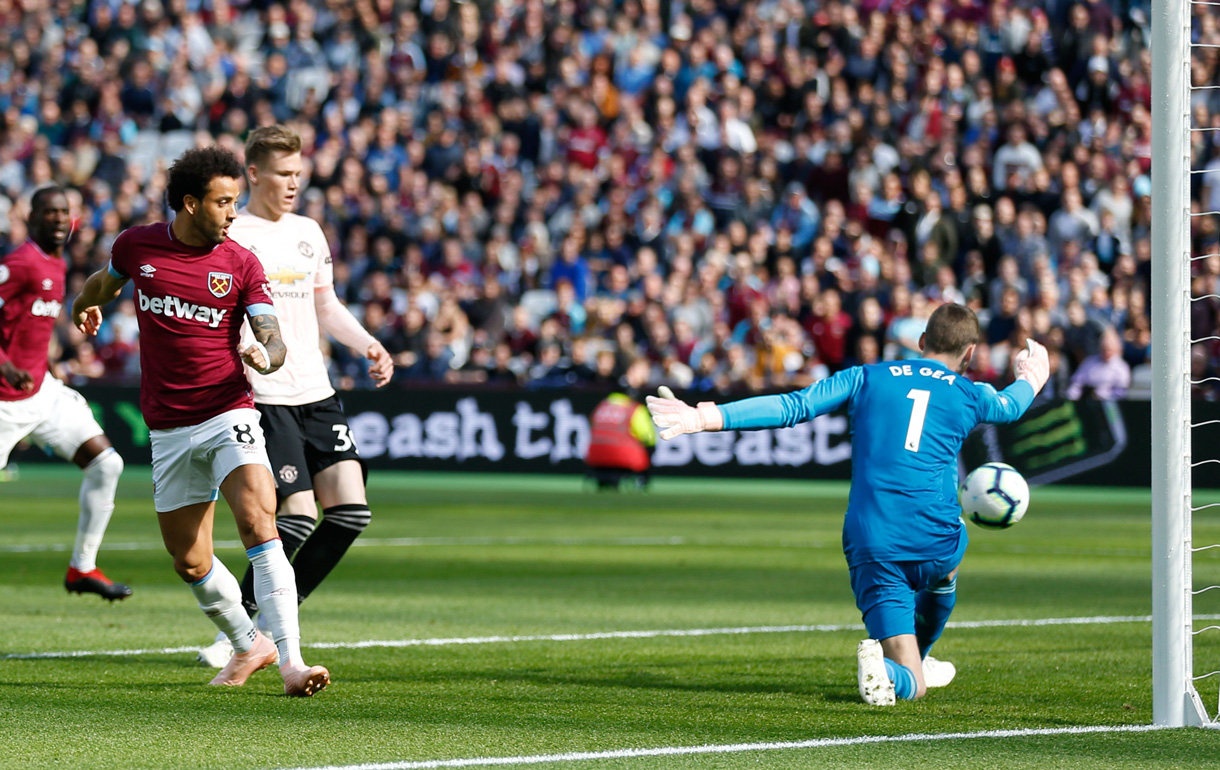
(497, 610)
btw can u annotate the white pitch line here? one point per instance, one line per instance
(660, 540)
(643, 634)
(386, 541)
(736, 748)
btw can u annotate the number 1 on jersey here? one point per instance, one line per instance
(919, 413)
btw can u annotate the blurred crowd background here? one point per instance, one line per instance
(718, 195)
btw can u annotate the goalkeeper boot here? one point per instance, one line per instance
(95, 582)
(876, 689)
(938, 673)
(217, 653)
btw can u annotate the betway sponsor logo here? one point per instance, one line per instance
(174, 307)
(45, 309)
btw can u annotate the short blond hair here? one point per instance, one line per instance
(265, 140)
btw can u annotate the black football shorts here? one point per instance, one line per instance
(303, 440)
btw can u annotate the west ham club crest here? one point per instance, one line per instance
(220, 284)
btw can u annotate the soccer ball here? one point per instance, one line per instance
(995, 495)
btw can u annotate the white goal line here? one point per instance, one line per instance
(642, 634)
(373, 542)
(735, 748)
(659, 540)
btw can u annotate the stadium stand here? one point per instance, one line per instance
(746, 194)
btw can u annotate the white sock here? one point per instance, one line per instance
(275, 588)
(219, 596)
(96, 505)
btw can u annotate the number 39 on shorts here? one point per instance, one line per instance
(343, 435)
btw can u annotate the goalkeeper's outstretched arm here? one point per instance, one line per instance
(782, 411)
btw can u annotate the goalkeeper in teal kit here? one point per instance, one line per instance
(903, 535)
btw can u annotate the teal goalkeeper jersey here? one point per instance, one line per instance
(908, 419)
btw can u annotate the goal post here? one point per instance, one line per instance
(1175, 700)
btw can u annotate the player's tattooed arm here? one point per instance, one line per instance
(267, 354)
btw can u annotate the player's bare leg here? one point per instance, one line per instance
(903, 649)
(342, 482)
(187, 533)
(250, 491)
(102, 467)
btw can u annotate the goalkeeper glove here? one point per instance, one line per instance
(678, 417)
(1033, 365)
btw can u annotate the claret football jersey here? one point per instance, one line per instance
(190, 303)
(31, 299)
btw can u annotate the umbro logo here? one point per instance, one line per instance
(147, 270)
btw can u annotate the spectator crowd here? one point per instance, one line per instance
(718, 195)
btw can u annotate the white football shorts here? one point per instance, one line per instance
(56, 417)
(189, 463)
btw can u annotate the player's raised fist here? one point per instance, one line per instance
(678, 417)
(255, 356)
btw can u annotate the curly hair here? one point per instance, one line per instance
(194, 171)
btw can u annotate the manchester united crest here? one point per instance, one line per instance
(220, 284)
(305, 249)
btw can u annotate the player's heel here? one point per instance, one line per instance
(243, 664)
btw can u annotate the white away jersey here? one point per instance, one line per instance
(296, 258)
